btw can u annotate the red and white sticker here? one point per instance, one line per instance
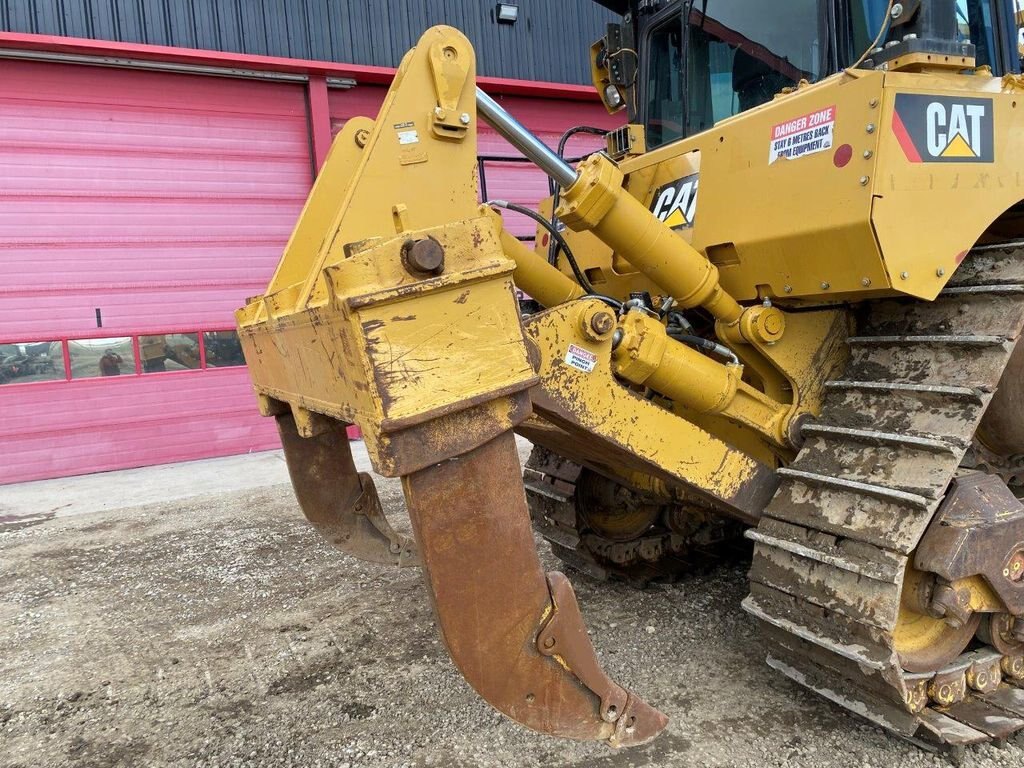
(581, 359)
(804, 135)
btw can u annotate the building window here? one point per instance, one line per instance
(88, 358)
(223, 349)
(21, 363)
(169, 352)
(101, 357)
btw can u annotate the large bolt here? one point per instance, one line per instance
(602, 323)
(423, 257)
(951, 605)
(1014, 570)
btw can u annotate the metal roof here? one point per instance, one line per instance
(618, 6)
(550, 41)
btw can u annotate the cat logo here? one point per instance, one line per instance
(942, 129)
(676, 202)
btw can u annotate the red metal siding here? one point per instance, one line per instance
(164, 200)
(93, 425)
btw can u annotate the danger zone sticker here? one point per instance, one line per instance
(581, 359)
(804, 135)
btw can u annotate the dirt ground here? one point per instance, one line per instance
(221, 631)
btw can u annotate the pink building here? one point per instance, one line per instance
(147, 192)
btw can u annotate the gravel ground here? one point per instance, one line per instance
(220, 631)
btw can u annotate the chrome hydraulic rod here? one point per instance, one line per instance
(519, 137)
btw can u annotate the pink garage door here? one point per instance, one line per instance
(137, 211)
(516, 182)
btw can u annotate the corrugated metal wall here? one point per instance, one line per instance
(136, 203)
(550, 41)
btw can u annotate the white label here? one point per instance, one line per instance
(408, 137)
(804, 135)
(581, 359)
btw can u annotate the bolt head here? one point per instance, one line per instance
(904, 275)
(602, 323)
(864, 180)
(439, 113)
(788, 288)
(870, 128)
(940, 272)
(874, 102)
(825, 286)
(1015, 568)
(897, 10)
(866, 282)
(423, 257)
(868, 154)
(464, 118)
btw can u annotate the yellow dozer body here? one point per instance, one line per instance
(815, 353)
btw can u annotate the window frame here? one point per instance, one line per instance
(683, 10)
(202, 349)
(655, 24)
(199, 340)
(52, 339)
(65, 340)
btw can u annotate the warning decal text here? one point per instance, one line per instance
(581, 359)
(804, 135)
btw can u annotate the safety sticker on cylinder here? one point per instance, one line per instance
(804, 135)
(581, 359)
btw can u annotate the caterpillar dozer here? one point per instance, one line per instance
(784, 302)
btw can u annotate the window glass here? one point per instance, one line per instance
(101, 357)
(31, 361)
(223, 349)
(974, 18)
(664, 84)
(169, 352)
(974, 21)
(741, 54)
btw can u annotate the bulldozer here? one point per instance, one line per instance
(782, 303)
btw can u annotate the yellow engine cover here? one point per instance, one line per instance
(864, 184)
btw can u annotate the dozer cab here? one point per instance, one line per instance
(785, 299)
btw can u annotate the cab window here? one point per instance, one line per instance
(664, 84)
(738, 55)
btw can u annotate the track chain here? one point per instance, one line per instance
(660, 554)
(1009, 468)
(832, 548)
